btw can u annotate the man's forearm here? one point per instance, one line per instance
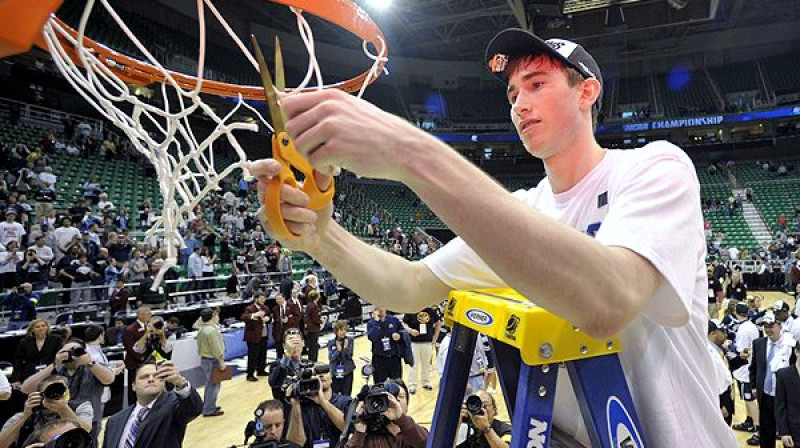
(494, 440)
(32, 383)
(532, 252)
(296, 433)
(384, 279)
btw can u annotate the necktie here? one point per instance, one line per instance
(770, 378)
(130, 442)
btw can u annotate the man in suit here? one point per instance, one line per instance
(787, 402)
(286, 315)
(256, 318)
(159, 417)
(770, 354)
(133, 358)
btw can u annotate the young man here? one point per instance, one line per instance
(632, 218)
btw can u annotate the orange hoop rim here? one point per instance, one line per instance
(343, 13)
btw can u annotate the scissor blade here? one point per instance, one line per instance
(280, 78)
(269, 88)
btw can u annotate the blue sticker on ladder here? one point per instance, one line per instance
(621, 429)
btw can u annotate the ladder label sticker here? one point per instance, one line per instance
(479, 317)
(621, 430)
(537, 434)
(511, 327)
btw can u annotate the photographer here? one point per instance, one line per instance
(288, 365)
(269, 424)
(483, 429)
(154, 341)
(395, 429)
(316, 420)
(86, 378)
(50, 402)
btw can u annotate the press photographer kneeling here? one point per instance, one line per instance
(381, 419)
(268, 426)
(480, 428)
(51, 401)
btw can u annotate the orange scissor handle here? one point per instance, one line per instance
(283, 151)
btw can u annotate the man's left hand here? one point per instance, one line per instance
(480, 422)
(396, 336)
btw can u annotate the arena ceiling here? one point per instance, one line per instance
(460, 29)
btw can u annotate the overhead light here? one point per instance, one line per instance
(379, 5)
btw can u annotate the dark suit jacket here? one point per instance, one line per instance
(292, 312)
(164, 426)
(313, 317)
(787, 402)
(133, 333)
(118, 301)
(253, 328)
(758, 367)
(28, 356)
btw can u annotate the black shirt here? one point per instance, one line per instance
(316, 423)
(426, 318)
(502, 429)
(713, 288)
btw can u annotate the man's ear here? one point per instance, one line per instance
(591, 91)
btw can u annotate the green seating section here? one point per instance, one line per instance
(737, 232)
(777, 198)
(750, 172)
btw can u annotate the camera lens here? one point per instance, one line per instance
(474, 404)
(77, 352)
(54, 391)
(158, 325)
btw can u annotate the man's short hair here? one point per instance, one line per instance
(92, 332)
(174, 320)
(271, 405)
(207, 314)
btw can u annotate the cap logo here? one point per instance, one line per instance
(563, 47)
(498, 63)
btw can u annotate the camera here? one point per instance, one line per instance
(55, 391)
(76, 352)
(158, 325)
(474, 405)
(376, 402)
(305, 382)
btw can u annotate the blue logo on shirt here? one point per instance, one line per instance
(592, 229)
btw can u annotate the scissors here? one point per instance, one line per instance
(283, 151)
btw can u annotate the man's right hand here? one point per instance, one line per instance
(34, 399)
(787, 441)
(308, 225)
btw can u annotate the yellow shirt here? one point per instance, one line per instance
(210, 343)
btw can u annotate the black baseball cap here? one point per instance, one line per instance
(512, 43)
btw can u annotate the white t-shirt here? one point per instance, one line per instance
(745, 335)
(64, 235)
(646, 200)
(722, 375)
(11, 231)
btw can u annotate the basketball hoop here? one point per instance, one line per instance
(183, 162)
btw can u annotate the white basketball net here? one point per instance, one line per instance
(184, 165)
